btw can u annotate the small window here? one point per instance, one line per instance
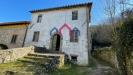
(74, 15)
(36, 36)
(74, 59)
(39, 19)
(74, 36)
(14, 38)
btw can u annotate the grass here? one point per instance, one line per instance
(12, 64)
(71, 70)
(34, 69)
(31, 69)
(66, 70)
(16, 66)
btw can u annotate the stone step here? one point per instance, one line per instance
(38, 59)
(42, 55)
(16, 73)
(54, 52)
(34, 57)
(27, 60)
(34, 61)
(24, 73)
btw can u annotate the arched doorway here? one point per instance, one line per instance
(2, 46)
(56, 42)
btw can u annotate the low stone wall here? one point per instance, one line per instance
(11, 55)
(108, 55)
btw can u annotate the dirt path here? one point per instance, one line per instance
(101, 69)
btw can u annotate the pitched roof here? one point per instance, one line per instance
(63, 7)
(14, 23)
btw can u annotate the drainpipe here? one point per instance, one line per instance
(88, 11)
(25, 36)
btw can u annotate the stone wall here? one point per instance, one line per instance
(6, 36)
(108, 55)
(11, 55)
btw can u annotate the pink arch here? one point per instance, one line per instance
(67, 26)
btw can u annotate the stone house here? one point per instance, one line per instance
(62, 29)
(12, 34)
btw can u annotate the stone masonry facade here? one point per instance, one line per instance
(7, 30)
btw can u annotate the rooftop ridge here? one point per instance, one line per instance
(62, 7)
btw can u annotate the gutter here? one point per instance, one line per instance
(25, 36)
(88, 18)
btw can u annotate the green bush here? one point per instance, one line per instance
(123, 42)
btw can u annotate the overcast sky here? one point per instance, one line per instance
(18, 10)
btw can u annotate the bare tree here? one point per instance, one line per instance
(110, 8)
(123, 6)
(111, 12)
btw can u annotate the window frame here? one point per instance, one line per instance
(36, 36)
(74, 36)
(14, 38)
(74, 59)
(75, 15)
(39, 18)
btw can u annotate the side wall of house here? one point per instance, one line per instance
(6, 36)
(57, 19)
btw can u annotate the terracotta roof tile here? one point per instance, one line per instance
(14, 23)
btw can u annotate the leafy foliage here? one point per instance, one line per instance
(125, 34)
(123, 42)
(101, 35)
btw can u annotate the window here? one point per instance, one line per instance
(74, 36)
(39, 19)
(14, 38)
(74, 15)
(36, 36)
(74, 59)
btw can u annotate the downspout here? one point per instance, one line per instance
(88, 11)
(25, 36)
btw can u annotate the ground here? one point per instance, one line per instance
(21, 68)
(96, 68)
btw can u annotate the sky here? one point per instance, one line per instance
(18, 10)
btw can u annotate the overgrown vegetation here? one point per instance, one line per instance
(101, 35)
(16, 67)
(119, 36)
(71, 69)
(21, 68)
(123, 41)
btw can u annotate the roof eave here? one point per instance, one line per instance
(14, 23)
(63, 7)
